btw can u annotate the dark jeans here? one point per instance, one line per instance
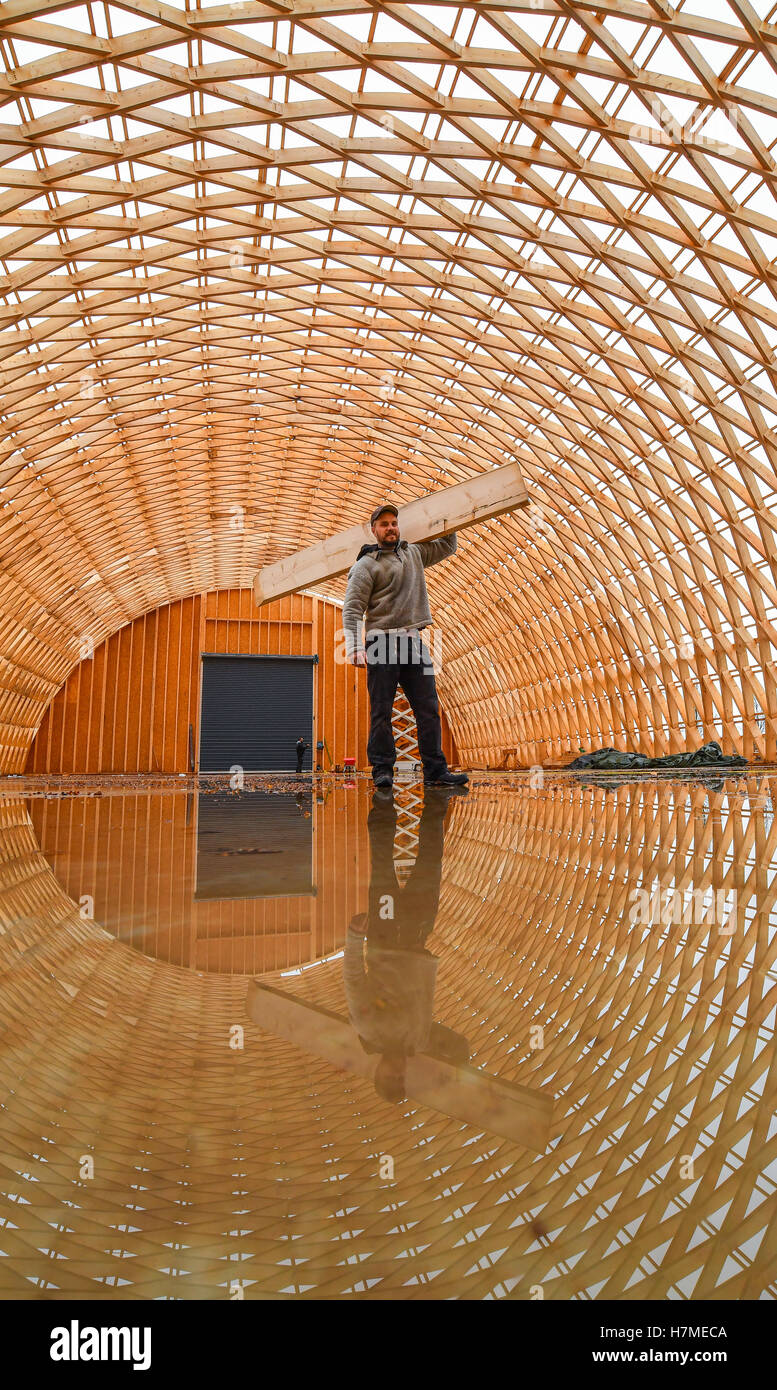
(414, 905)
(416, 678)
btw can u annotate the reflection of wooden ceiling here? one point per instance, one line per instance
(265, 263)
(657, 1043)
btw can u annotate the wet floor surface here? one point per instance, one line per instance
(306, 1039)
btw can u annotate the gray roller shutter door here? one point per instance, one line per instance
(254, 709)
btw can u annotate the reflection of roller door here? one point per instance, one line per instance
(257, 844)
(253, 710)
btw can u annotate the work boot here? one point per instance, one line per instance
(383, 779)
(447, 779)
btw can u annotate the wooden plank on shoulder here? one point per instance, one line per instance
(449, 509)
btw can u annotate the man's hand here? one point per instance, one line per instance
(359, 659)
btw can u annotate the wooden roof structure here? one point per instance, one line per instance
(264, 263)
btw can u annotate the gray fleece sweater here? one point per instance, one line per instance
(388, 587)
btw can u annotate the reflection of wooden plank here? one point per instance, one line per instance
(449, 509)
(487, 1102)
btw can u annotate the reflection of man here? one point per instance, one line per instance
(391, 993)
(387, 583)
(301, 745)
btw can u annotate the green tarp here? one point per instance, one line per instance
(709, 755)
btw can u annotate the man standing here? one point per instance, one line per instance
(386, 583)
(301, 745)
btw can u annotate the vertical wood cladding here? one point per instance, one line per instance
(128, 707)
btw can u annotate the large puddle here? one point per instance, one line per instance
(308, 1039)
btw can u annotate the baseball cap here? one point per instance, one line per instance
(387, 507)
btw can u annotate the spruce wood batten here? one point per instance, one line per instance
(11, 467)
(448, 509)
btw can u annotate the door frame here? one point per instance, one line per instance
(311, 657)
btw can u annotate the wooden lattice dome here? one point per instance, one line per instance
(267, 262)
